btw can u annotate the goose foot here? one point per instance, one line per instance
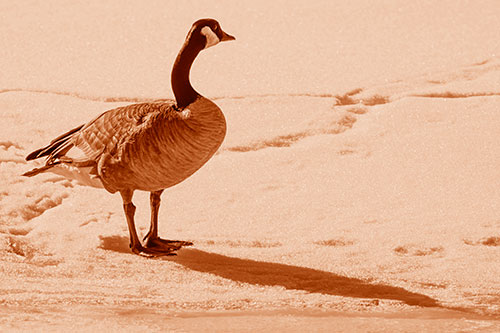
(156, 244)
(152, 252)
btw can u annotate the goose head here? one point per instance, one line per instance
(203, 34)
(206, 33)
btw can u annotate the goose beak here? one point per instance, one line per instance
(226, 37)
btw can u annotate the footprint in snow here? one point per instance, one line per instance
(412, 250)
(488, 241)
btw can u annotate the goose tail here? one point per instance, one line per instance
(35, 154)
(36, 171)
(57, 146)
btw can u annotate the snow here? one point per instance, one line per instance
(357, 187)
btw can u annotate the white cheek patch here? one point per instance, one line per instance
(211, 37)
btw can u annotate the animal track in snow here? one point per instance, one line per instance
(97, 217)
(279, 141)
(357, 110)
(349, 99)
(468, 73)
(7, 144)
(344, 123)
(21, 198)
(455, 95)
(238, 243)
(430, 285)
(11, 152)
(19, 231)
(20, 206)
(20, 247)
(455, 84)
(355, 102)
(334, 242)
(414, 250)
(488, 241)
(37, 205)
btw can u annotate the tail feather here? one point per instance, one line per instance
(54, 145)
(67, 134)
(36, 171)
(34, 155)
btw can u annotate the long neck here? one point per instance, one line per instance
(183, 91)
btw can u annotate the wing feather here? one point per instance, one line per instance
(103, 133)
(107, 136)
(115, 127)
(54, 145)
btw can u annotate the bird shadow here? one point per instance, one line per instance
(287, 276)
(294, 277)
(115, 243)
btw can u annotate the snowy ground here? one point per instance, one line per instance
(357, 188)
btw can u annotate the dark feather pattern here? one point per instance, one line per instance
(147, 146)
(54, 144)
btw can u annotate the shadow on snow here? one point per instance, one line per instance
(294, 277)
(287, 276)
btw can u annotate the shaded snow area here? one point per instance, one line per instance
(373, 206)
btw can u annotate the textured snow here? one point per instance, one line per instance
(357, 188)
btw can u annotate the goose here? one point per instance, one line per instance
(145, 146)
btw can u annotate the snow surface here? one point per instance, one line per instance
(357, 188)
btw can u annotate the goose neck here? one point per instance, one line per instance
(181, 86)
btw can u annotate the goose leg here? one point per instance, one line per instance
(152, 240)
(154, 200)
(135, 243)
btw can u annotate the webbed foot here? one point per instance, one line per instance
(157, 244)
(152, 252)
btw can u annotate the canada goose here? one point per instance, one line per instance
(147, 146)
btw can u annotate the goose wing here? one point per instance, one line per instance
(86, 143)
